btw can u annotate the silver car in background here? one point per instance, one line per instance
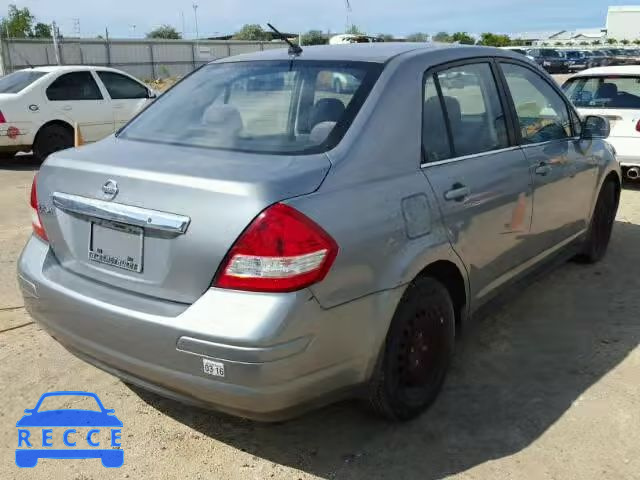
(260, 243)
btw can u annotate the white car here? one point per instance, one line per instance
(40, 106)
(613, 92)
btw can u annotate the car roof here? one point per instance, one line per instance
(615, 70)
(69, 68)
(378, 52)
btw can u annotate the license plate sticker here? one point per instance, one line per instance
(213, 368)
(117, 244)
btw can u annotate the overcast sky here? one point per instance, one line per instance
(399, 17)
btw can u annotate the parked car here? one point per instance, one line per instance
(577, 60)
(613, 92)
(231, 251)
(550, 59)
(40, 106)
(595, 58)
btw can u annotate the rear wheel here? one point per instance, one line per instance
(601, 225)
(51, 139)
(417, 352)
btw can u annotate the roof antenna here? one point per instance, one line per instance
(293, 48)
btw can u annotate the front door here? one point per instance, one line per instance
(128, 96)
(564, 174)
(481, 179)
(76, 97)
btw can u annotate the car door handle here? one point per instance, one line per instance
(118, 106)
(457, 193)
(543, 169)
(67, 107)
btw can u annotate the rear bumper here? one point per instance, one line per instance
(282, 353)
(627, 150)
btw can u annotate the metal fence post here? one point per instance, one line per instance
(107, 47)
(193, 56)
(2, 50)
(228, 49)
(153, 63)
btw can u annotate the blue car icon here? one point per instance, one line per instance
(28, 457)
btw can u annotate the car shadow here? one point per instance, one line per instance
(21, 162)
(517, 371)
(631, 184)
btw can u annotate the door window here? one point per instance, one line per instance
(74, 86)
(475, 118)
(542, 113)
(121, 87)
(435, 138)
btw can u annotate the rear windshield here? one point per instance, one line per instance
(17, 81)
(604, 92)
(288, 107)
(550, 53)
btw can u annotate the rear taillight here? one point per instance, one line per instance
(282, 250)
(2, 119)
(36, 223)
(638, 126)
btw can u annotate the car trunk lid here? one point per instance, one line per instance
(158, 219)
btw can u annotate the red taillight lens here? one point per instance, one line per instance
(638, 126)
(2, 119)
(282, 250)
(36, 223)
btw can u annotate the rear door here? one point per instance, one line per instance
(76, 97)
(128, 96)
(564, 173)
(480, 177)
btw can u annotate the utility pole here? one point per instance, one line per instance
(56, 48)
(184, 32)
(195, 14)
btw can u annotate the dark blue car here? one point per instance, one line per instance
(69, 418)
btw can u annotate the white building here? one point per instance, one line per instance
(623, 23)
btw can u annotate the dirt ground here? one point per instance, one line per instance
(545, 387)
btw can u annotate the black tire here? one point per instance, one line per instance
(50, 139)
(601, 226)
(417, 353)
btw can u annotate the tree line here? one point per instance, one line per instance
(20, 23)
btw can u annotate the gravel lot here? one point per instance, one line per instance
(545, 387)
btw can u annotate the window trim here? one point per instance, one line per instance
(73, 72)
(553, 85)
(97, 74)
(502, 96)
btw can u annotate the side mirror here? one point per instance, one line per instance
(151, 94)
(595, 126)
(28, 410)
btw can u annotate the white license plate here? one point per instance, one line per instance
(116, 244)
(213, 368)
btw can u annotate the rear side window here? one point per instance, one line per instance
(604, 92)
(542, 113)
(18, 81)
(121, 87)
(74, 86)
(471, 105)
(435, 138)
(274, 107)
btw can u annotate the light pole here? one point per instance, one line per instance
(195, 14)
